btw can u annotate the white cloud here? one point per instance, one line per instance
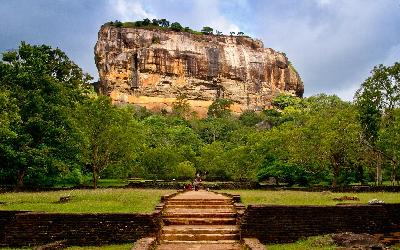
(130, 10)
(393, 55)
(208, 13)
(333, 44)
(323, 2)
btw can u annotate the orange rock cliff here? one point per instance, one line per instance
(151, 68)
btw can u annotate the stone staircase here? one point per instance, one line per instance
(199, 220)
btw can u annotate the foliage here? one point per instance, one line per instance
(207, 30)
(250, 118)
(162, 24)
(106, 247)
(181, 107)
(378, 99)
(283, 101)
(40, 86)
(55, 131)
(324, 242)
(176, 26)
(100, 125)
(220, 108)
(155, 39)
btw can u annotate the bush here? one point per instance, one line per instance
(155, 39)
(184, 171)
(176, 26)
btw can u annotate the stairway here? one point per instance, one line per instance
(199, 220)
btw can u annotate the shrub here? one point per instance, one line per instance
(176, 26)
(155, 39)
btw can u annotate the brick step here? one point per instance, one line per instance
(206, 206)
(199, 215)
(200, 246)
(199, 202)
(390, 241)
(199, 210)
(200, 229)
(199, 242)
(199, 237)
(199, 221)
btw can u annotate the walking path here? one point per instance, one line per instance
(199, 220)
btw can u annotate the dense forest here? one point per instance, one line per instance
(55, 129)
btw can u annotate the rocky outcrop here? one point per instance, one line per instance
(152, 68)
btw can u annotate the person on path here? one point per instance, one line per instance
(197, 181)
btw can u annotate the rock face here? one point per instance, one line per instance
(152, 68)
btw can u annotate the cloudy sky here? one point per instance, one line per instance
(333, 43)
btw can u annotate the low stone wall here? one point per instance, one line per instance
(270, 223)
(32, 228)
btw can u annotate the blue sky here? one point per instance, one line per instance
(333, 43)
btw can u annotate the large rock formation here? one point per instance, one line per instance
(153, 67)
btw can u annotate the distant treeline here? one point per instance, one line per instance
(165, 24)
(54, 129)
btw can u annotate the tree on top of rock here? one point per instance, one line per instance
(207, 30)
(176, 26)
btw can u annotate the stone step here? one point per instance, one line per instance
(199, 210)
(200, 229)
(199, 242)
(199, 246)
(188, 214)
(199, 221)
(206, 206)
(199, 202)
(199, 237)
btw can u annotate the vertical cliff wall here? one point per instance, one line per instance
(152, 67)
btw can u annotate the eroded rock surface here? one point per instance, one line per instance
(152, 67)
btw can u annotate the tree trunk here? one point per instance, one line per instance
(393, 176)
(335, 173)
(20, 180)
(94, 168)
(379, 170)
(336, 170)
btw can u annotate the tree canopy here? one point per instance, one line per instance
(54, 130)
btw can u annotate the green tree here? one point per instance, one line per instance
(46, 86)
(250, 118)
(146, 22)
(176, 26)
(207, 30)
(155, 22)
(100, 123)
(181, 107)
(325, 135)
(283, 101)
(164, 22)
(220, 108)
(376, 100)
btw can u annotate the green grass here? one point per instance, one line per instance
(109, 247)
(85, 201)
(312, 243)
(7, 248)
(308, 198)
(101, 183)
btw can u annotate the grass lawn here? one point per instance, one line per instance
(312, 243)
(109, 247)
(85, 201)
(308, 198)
